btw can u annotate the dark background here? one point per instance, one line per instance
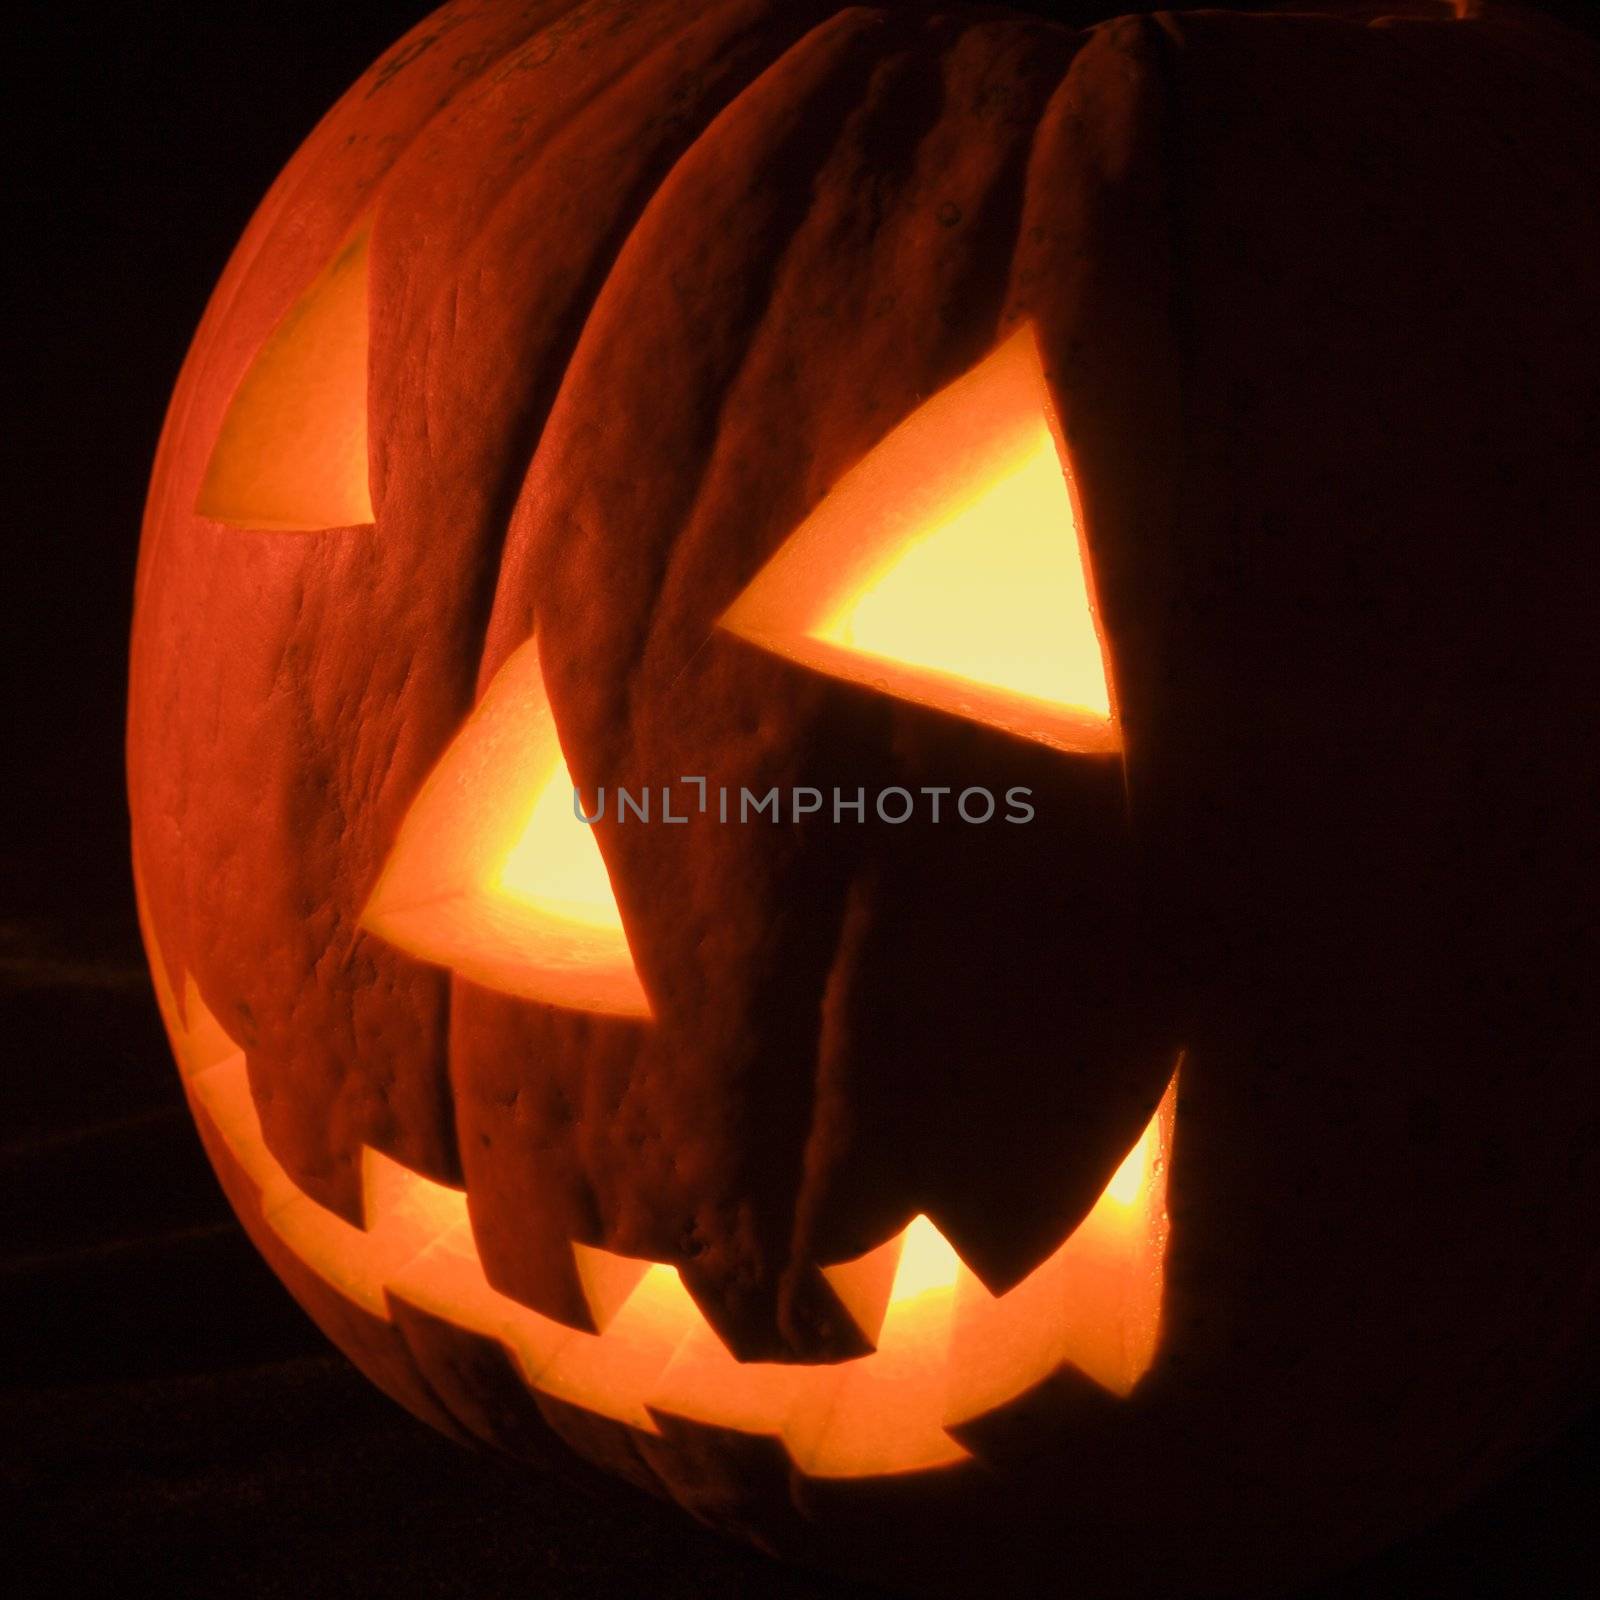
(169, 1415)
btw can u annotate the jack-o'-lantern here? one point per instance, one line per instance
(853, 759)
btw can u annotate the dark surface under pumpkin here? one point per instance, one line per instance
(1305, 294)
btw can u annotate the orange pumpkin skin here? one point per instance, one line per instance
(642, 284)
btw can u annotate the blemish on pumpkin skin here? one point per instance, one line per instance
(402, 58)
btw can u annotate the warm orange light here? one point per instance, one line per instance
(1095, 1303)
(495, 875)
(292, 451)
(555, 867)
(949, 567)
(1129, 1181)
(928, 1266)
(994, 593)
(946, 1350)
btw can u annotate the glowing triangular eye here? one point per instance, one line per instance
(292, 451)
(948, 567)
(495, 875)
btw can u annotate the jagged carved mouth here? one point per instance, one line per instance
(949, 569)
(945, 1349)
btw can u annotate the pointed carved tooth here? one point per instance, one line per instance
(611, 1374)
(703, 1383)
(205, 1044)
(928, 1264)
(865, 1284)
(608, 1281)
(1095, 1303)
(393, 1196)
(224, 1091)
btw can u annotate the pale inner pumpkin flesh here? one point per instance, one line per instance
(949, 567)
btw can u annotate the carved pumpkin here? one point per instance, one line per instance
(1171, 434)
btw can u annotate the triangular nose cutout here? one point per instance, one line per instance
(949, 567)
(292, 451)
(495, 875)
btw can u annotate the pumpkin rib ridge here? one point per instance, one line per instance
(919, 34)
(616, 241)
(490, 661)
